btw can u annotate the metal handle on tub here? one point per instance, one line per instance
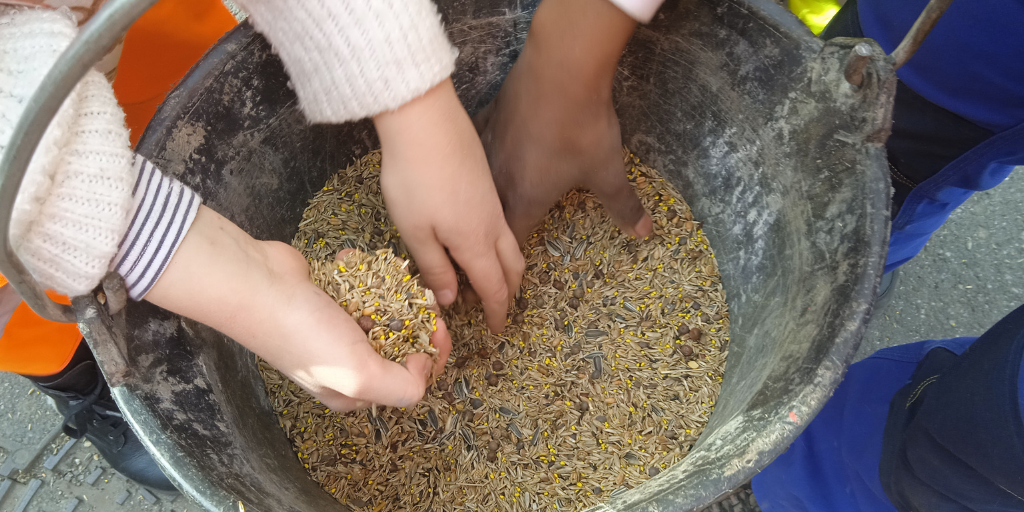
(97, 36)
(924, 24)
(918, 31)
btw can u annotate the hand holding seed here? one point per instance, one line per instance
(397, 314)
(259, 293)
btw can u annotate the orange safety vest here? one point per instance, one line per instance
(158, 50)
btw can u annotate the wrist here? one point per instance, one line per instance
(419, 119)
(576, 44)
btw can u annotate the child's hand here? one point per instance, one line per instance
(260, 294)
(440, 194)
(552, 126)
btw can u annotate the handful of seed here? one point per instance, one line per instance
(387, 302)
(605, 376)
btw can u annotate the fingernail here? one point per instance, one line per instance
(446, 297)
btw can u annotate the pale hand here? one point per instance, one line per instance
(259, 294)
(439, 193)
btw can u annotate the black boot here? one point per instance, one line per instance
(81, 395)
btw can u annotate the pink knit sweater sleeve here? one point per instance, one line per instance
(640, 10)
(350, 59)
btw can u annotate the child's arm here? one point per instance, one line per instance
(259, 293)
(552, 126)
(391, 59)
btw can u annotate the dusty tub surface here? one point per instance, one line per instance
(735, 102)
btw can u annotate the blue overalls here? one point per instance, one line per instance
(971, 64)
(935, 425)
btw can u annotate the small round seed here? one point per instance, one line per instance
(497, 366)
(686, 350)
(522, 304)
(396, 325)
(476, 403)
(578, 293)
(366, 323)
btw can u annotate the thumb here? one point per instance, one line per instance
(620, 200)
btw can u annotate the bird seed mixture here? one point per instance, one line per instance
(604, 377)
(391, 307)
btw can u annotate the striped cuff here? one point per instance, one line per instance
(164, 210)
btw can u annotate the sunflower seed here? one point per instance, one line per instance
(506, 412)
(462, 388)
(535, 438)
(512, 427)
(468, 437)
(577, 252)
(570, 329)
(554, 247)
(631, 458)
(593, 334)
(619, 491)
(598, 369)
(630, 307)
(571, 231)
(432, 419)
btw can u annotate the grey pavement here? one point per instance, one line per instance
(966, 279)
(969, 275)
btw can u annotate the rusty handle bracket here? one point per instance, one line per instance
(855, 64)
(915, 36)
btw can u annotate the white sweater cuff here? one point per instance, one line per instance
(164, 210)
(640, 10)
(353, 59)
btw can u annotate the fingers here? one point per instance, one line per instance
(488, 278)
(435, 268)
(512, 262)
(343, 253)
(385, 382)
(339, 402)
(620, 200)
